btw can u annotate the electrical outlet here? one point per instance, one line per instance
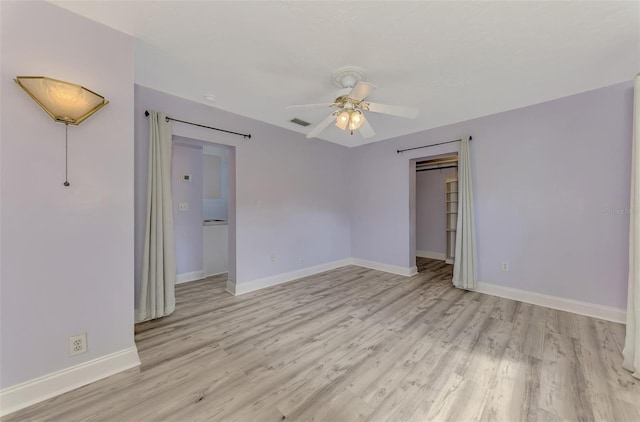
(300, 261)
(505, 266)
(273, 257)
(77, 344)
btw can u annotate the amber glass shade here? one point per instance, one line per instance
(65, 102)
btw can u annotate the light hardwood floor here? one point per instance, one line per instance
(356, 344)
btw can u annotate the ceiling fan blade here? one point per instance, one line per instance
(322, 126)
(402, 111)
(310, 106)
(366, 130)
(361, 91)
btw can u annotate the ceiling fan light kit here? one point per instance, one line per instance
(343, 120)
(356, 119)
(350, 104)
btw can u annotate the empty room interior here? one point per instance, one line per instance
(319, 210)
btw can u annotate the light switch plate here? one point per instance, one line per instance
(183, 206)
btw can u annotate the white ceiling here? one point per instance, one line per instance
(454, 60)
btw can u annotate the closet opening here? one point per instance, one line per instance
(436, 209)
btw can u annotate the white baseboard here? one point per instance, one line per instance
(187, 277)
(42, 388)
(432, 255)
(388, 268)
(251, 286)
(261, 283)
(211, 275)
(231, 287)
(554, 302)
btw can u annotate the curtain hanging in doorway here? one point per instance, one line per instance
(157, 295)
(464, 266)
(631, 351)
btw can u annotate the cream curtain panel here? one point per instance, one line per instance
(465, 264)
(157, 293)
(631, 351)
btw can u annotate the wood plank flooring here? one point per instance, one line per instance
(356, 344)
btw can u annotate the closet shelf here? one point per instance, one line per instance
(451, 213)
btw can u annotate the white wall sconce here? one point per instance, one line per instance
(64, 102)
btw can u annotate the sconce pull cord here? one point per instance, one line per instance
(66, 154)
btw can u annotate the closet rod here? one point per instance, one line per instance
(437, 168)
(400, 151)
(248, 135)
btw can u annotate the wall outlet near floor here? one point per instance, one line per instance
(273, 257)
(505, 266)
(183, 206)
(300, 261)
(77, 344)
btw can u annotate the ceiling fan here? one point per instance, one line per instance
(351, 106)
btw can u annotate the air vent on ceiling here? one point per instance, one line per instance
(299, 122)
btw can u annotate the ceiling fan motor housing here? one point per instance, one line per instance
(348, 76)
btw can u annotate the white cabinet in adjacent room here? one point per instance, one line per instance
(216, 248)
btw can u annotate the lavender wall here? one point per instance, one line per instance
(211, 176)
(290, 195)
(430, 210)
(545, 177)
(67, 252)
(215, 180)
(188, 230)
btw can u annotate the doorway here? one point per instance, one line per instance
(203, 194)
(436, 206)
(215, 204)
